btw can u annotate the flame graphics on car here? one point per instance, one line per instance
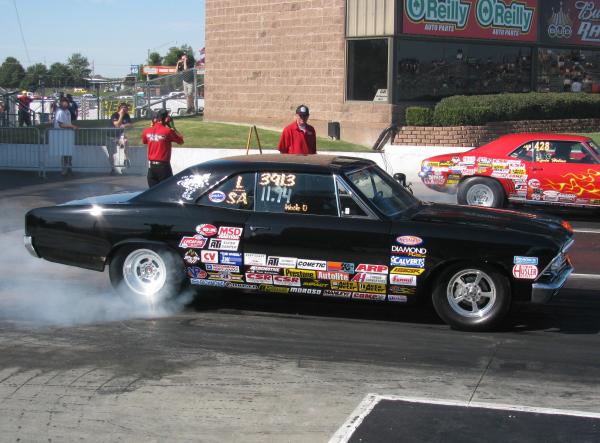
(578, 183)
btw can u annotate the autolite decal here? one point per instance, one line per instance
(230, 232)
(407, 271)
(408, 262)
(527, 272)
(328, 275)
(206, 230)
(406, 280)
(409, 240)
(375, 269)
(195, 242)
(368, 296)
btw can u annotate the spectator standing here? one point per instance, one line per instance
(576, 86)
(120, 120)
(184, 67)
(299, 137)
(73, 108)
(62, 120)
(3, 119)
(159, 137)
(24, 101)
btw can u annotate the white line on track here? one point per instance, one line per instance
(587, 231)
(584, 276)
(344, 433)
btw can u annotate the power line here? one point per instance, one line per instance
(21, 30)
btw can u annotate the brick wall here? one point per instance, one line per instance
(265, 57)
(478, 135)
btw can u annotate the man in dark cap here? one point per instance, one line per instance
(159, 137)
(299, 137)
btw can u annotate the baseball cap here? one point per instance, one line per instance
(302, 111)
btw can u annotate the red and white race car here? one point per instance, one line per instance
(555, 169)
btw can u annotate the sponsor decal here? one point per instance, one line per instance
(209, 256)
(226, 276)
(469, 160)
(231, 258)
(551, 196)
(192, 183)
(251, 277)
(328, 293)
(215, 283)
(567, 197)
(264, 269)
(282, 262)
(338, 285)
(518, 260)
(397, 298)
(368, 296)
(195, 272)
(254, 259)
(225, 245)
(316, 284)
(407, 271)
(409, 262)
(375, 269)
(409, 240)
(217, 197)
(284, 280)
(339, 266)
(434, 179)
(195, 242)
(233, 285)
(404, 290)
(527, 272)
(311, 275)
(317, 265)
(406, 280)
(370, 278)
(330, 275)
(191, 257)
(206, 230)
(222, 268)
(230, 232)
(411, 251)
(306, 291)
(372, 287)
(275, 289)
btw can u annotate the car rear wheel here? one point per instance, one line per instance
(472, 298)
(481, 191)
(148, 273)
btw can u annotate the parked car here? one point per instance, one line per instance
(548, 169)
(321, 225)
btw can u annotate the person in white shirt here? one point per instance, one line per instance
(62, 120)
(576, 86)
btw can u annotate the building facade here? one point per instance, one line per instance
(362, 62)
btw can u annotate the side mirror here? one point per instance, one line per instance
(400, 178)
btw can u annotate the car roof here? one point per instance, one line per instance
(512, 141)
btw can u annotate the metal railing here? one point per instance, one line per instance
(21, 149)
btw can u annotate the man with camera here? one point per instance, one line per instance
(120, 120)
(159, 137)
(183, 66)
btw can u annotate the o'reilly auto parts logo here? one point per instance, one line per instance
(451, 11)
(496, 13)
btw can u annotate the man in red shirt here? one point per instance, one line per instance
(158, 137)
(24, 111)
(299, 137)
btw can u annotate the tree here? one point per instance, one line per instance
(154, 59)
(59, 75)
(79, 67)
(174, 53)
(35, 75)
(11, 73)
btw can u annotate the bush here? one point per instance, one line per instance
(480, 109)
(419, 116)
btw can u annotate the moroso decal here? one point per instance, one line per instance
(206, 230)
(409, 240)
(195, 242)
(406, 280)
(305, 291)
(527, 272)
(209, 256)
(230, 232)
(407, 271)
(376, 269)
(409, 262)
(368, 296)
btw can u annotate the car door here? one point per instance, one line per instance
(565, 172)
(299, 240)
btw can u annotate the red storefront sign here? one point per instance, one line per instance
(486, 19)
(572, 21)
(159, 70)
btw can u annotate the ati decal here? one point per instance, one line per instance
(282, 280)
(195, 242)
(230, 232)
(191, 257)
(230, 258)
(316, 265)
(316, 284)
(259, 278)
(339, 266)
(407, 271)
(376, 269)
(264, 269)
(411, 251)
(209, 256)
(409, 262)
(397, 298)
(282, 262)
(206, 230)
(222, 268)
(216, 283)
(300, 273)
(337, 285)
(275, 289)
(305, 291)
(367, 296)
(525, 260)
(370, 278)
(527, 272)
(195, 272)
(255, 259)
(342, 294)
(224, 245)
(406, 280)
(328, 275)
(217, 197)
(372, 287)
(409, 240)
(403, 290)
(233, 285)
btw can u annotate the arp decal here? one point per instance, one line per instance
(330, 275)
(370, 278)
(407, 271)
(283, 280)
(224, 245)
(209, 256)
(405, 280)
(259, 278)
(527, 272)
(368, 296)
(409, 240)
(206, 230)
(375, 269)
(411, 251)
(255, 259)
(191, 257)
(340, 266)
(282, 262)
(301, 273)
(217, 197)
(230, 258)
(230, 232)
(408, 262)
(316, 265)
(518, 260)
(195, 242)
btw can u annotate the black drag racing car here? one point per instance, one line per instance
(327, 226)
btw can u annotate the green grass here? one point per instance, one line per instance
(593, 135)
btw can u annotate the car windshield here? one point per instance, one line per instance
(381, 190)
(594, 147)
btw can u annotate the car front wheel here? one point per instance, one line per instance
(481, 191)
(472, 298)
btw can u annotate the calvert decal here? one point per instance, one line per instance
(255, 259)
(329, 275)
(409, 240)
(230, 232)
(409, 262)
(230, 258)
(224, 245)
(195, 272)
(206, 230)
(215, 283)
(191, 257)
(209, 256)
(195, 242)
(411, 251)
(370, 278)
(259, 278)
(407, 271)
(306, 291)
(317, 265)
(301, 273)
(340, 294)
(222, 268)
(527, 272)
(368, 296)
(525, 260)
(283, 280)
(282, 262)
(217, 197)
(397, 298)
(376, 269)
(404, 280)
(339, 266)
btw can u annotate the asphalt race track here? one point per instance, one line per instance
(78, 363)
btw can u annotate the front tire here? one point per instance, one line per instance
(472, 298)
(481, 191)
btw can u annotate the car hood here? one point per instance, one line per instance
(122, 197)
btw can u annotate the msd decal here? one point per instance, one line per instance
(370, 278)
(195, 242)
(408, 262)
(404, 280)
(206, 230)
(328, 275)
(316, 265)
(527, 272)
(409, 240)
(230, 232)
(259, 278)
(284, 280)
(376, 269)
(209, 257)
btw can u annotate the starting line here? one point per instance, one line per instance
(520, 419)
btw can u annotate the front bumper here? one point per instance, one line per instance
(29, 246)
(543, 292)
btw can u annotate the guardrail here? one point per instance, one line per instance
(21, 149)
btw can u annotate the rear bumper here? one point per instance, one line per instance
(543, 292)
(29, 246)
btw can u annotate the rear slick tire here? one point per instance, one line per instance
(481, 191)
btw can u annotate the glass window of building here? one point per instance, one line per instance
(568, 70)
(367, 68)
(431, 70)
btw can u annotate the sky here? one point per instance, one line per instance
(112, 34)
